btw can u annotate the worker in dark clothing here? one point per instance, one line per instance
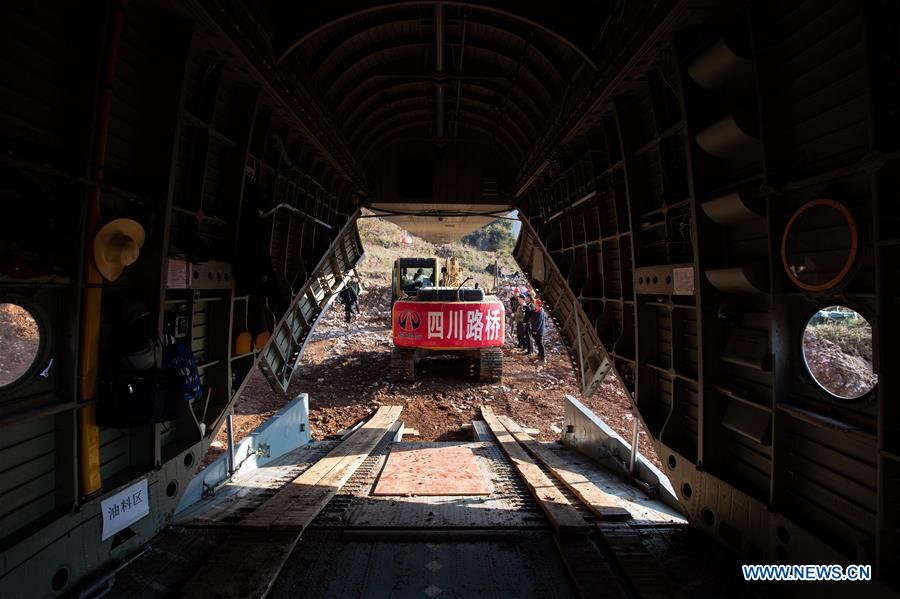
(527, 310)
(421, 279)
(536, 325)
(350, 300)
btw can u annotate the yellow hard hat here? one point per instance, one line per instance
(261, 340)
(117, 245)
(243, 344)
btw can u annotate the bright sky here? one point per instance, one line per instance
(517, 225)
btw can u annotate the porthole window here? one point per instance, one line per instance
(20, 340)
(820, 245)
(837, 350)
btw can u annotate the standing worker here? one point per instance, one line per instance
(513, 302)
(527, 310)
(521, 325)
(513, 306)
(350, 299)
(536, 324)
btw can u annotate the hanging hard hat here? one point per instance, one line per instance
(261, 340)
(117, 245)
(243, 344)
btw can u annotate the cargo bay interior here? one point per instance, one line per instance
(695, 180)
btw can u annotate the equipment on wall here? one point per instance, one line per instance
(140, 398)
(117, 245)
(243, 344)
(177, 356)
(138, 342)
(261, 340)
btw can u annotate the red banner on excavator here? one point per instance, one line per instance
(448, 325)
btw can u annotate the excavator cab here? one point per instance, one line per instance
(411, 274)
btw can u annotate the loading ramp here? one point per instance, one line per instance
(311, 524)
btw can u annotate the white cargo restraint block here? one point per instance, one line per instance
(285, 431)
(586, 433)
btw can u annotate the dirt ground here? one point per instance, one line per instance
(19, 338)
(345, 371)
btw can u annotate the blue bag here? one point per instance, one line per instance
(179, 357)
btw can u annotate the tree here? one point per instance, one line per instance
(493, 237)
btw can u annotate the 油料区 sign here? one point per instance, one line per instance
(123, 509)
(448, 325)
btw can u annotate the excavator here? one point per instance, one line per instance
(433, 313)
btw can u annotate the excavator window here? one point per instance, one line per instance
(413, 278)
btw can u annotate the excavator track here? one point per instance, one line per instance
(403, 365)
(490, 367)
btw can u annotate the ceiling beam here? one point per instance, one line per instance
(388, 138)
(467, 106)
(364, 111)
(406, 69)
(368, 27)
(296, 22)
(509, 57)
(366, 142)
(353, 105)
(515, 148)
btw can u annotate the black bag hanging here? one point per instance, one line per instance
(140, 398)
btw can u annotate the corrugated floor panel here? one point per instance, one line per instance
(525, 566)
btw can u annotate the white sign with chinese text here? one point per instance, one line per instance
(124, 508)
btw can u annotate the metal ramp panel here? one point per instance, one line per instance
(281, 355)
(590, 358)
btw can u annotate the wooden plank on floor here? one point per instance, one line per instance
(563, 515)
(606, 506)
(302, 511)
(302, 499)
(246, 492)
(644, 509)
(645, 574)
(248, 561)
(481, 432)
(468, 426)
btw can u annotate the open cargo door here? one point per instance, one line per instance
(281, 354)
(589, 356)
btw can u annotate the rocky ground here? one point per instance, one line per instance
(838, 371)
(19, 338)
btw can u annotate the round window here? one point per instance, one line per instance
(837, 349)
(820, 245)
(20, 340)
